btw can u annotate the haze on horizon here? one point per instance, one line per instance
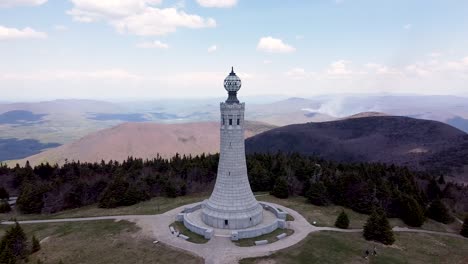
(154, 49)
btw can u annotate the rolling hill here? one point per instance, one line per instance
(141, 140)
(419, 144)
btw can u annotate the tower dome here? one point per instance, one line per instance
(232, 83)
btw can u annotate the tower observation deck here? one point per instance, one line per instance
(232, 204)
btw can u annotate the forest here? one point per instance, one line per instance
(400, 192)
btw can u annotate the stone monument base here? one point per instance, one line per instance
(272, 220)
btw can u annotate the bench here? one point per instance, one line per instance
(261, 242)
(280, 236)
(184, 237)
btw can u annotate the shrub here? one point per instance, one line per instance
(342, 221)
(36, 245)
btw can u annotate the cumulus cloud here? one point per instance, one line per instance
(274, 45)
(138, 17)
(25, 33)
(217, 3)
(60, 28)
(339, 68)
(54, 75)
(153, 45)
(212, 48)
(13, 3)
(296, 73)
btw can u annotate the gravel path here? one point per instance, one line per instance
(220, 249)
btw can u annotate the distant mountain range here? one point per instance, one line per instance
(29, 128)
(419, 144)
(141, 140)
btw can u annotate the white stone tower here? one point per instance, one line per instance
(232, 204)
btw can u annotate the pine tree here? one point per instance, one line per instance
(433, 190)
(377, 228)
(441, 179)
(4, 195)
(36, 245)
(342, 221)
(411, 212)
(4, 207)
(318, 194)
(13, 244)
(280, 189)
(439, 212)
(464, 230)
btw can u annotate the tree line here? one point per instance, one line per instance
(362, 187)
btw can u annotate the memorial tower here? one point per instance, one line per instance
(232, 204)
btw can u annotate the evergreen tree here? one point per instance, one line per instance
(433, 190)
(377, 228)
(441, 179)
(36, 245)
(439, 212)
(318, 194)
(464, 230)
(342, 221)
(13, 244)
(411, 212)
(280, 189)
(4, 195)
(30, 198)
(4, 207)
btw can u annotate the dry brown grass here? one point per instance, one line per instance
(101, 242)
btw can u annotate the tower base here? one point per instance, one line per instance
(231, 219)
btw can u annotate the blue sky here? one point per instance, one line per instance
(152, 49)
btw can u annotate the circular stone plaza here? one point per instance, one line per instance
(232, 210)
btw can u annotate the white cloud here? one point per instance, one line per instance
(60, 28)
(434, 54)
(92, 10)
(217, 3)
(296, 73)
(25, 33)
(339, 68)
(138, 17)
(408, 27)
(212, 48)
(153, 45)
(54, 75)
(267, 62)
(381, 69)
(274, 45)
(12, 3)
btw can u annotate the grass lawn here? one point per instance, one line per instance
(155, 205)
(331, 247)
(100, 242)
(326, 215)
(248, 242)
(193, 237)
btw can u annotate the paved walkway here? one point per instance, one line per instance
(220, 249)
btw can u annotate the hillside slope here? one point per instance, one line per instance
(141, 140)
(419, 144)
